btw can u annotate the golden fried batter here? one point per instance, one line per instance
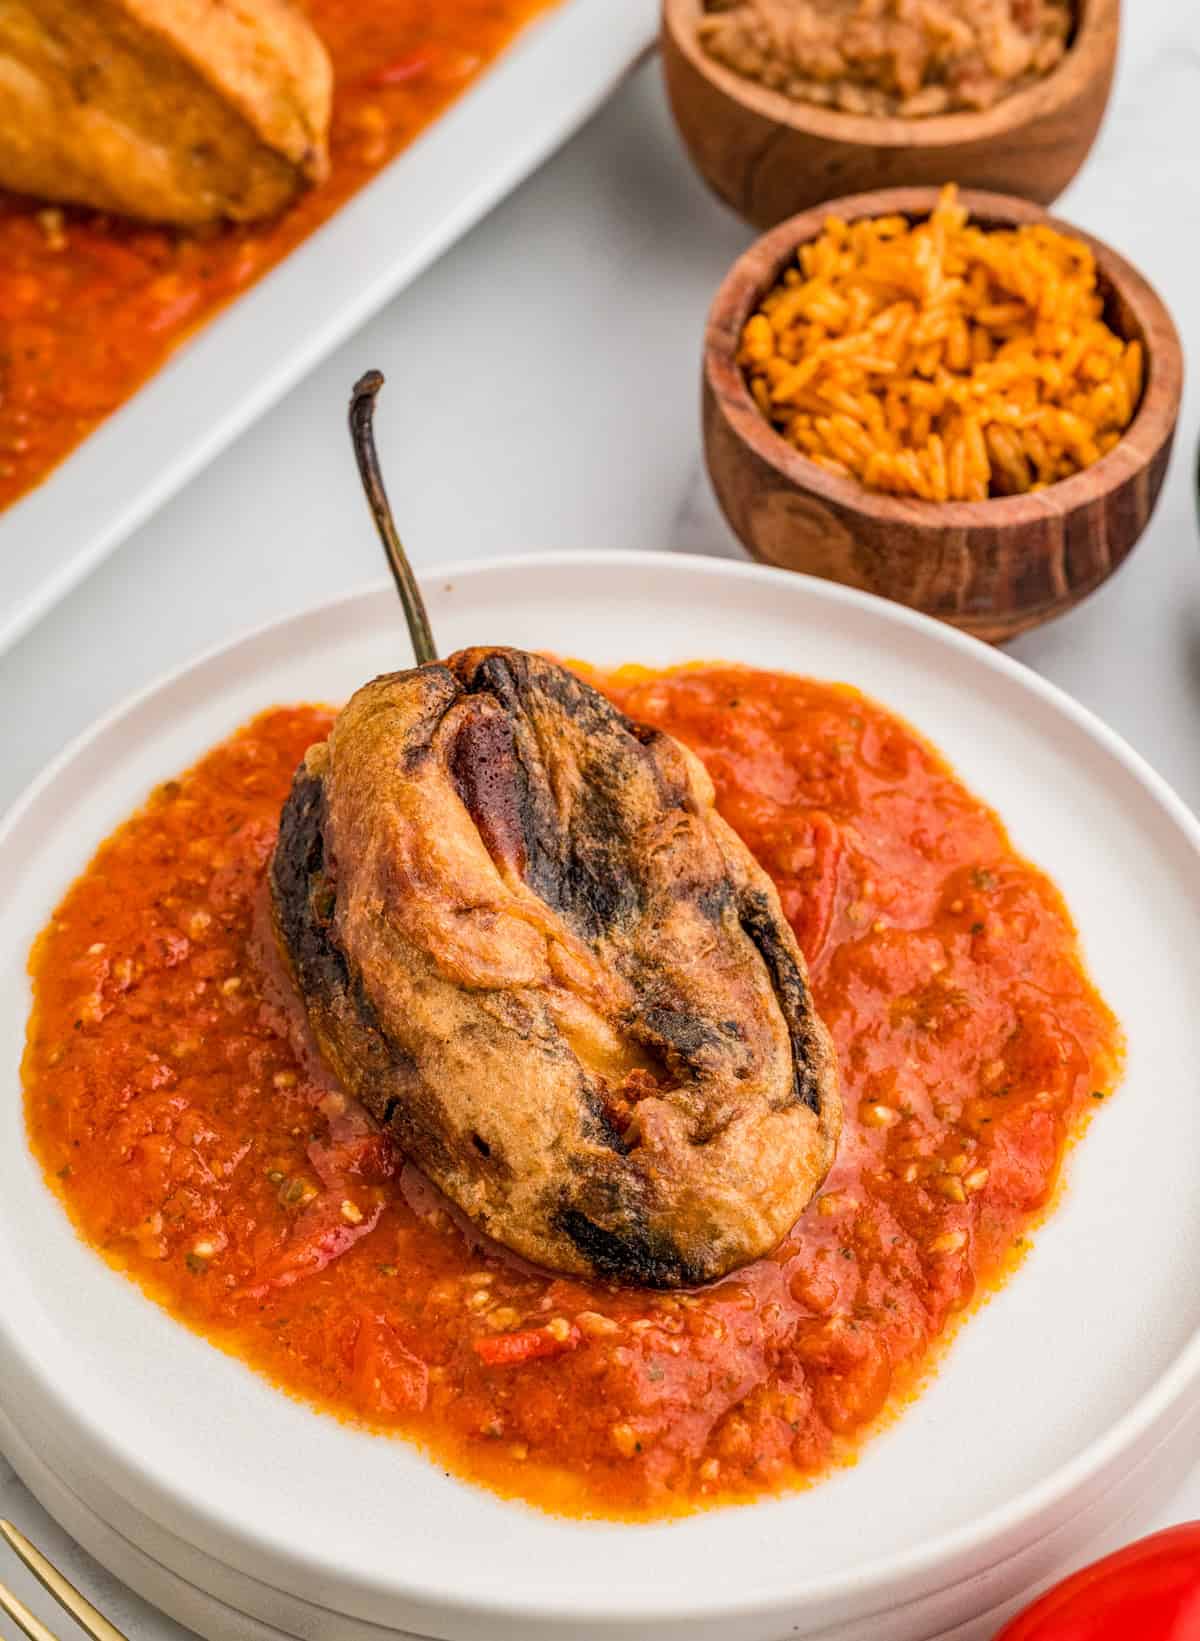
(173, 110)
(528, 943)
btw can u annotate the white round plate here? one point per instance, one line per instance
(1057, 1397)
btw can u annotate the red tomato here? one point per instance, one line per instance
(388, 1378)
(510, 1349)
(320, 1235)
(404, 68)
(1149, 1591)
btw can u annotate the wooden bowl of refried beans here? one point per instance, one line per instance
(785, 103)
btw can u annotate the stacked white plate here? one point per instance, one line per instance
(1066, 1399)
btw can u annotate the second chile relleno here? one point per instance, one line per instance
(527, 942)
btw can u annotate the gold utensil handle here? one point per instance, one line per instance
(93, 1623)
(21, 1616)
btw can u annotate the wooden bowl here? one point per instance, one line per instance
(770, 156)
(994, 568)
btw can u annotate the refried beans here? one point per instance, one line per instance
(912, 58)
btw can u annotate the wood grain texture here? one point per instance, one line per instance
(994, 568)
(769, 156)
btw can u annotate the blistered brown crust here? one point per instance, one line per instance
(173, 110)
(527, 942)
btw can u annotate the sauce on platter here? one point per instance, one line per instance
(91, 306)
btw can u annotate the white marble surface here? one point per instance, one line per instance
(543, 394)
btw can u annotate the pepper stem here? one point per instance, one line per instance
(362, 413)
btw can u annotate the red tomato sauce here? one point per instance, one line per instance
(199, 1146)
(91, 306)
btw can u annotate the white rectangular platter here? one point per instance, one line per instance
(558, 72)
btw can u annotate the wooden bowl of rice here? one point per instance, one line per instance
(993, 567)
(769, 154)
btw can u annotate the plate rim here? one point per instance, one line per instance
(895, 1578)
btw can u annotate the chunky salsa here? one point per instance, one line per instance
(91, 306)
(195, 1140)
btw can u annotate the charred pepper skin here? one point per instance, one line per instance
(527, 942)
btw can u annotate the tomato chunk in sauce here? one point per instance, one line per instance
(90, 306)
(199, 1146)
